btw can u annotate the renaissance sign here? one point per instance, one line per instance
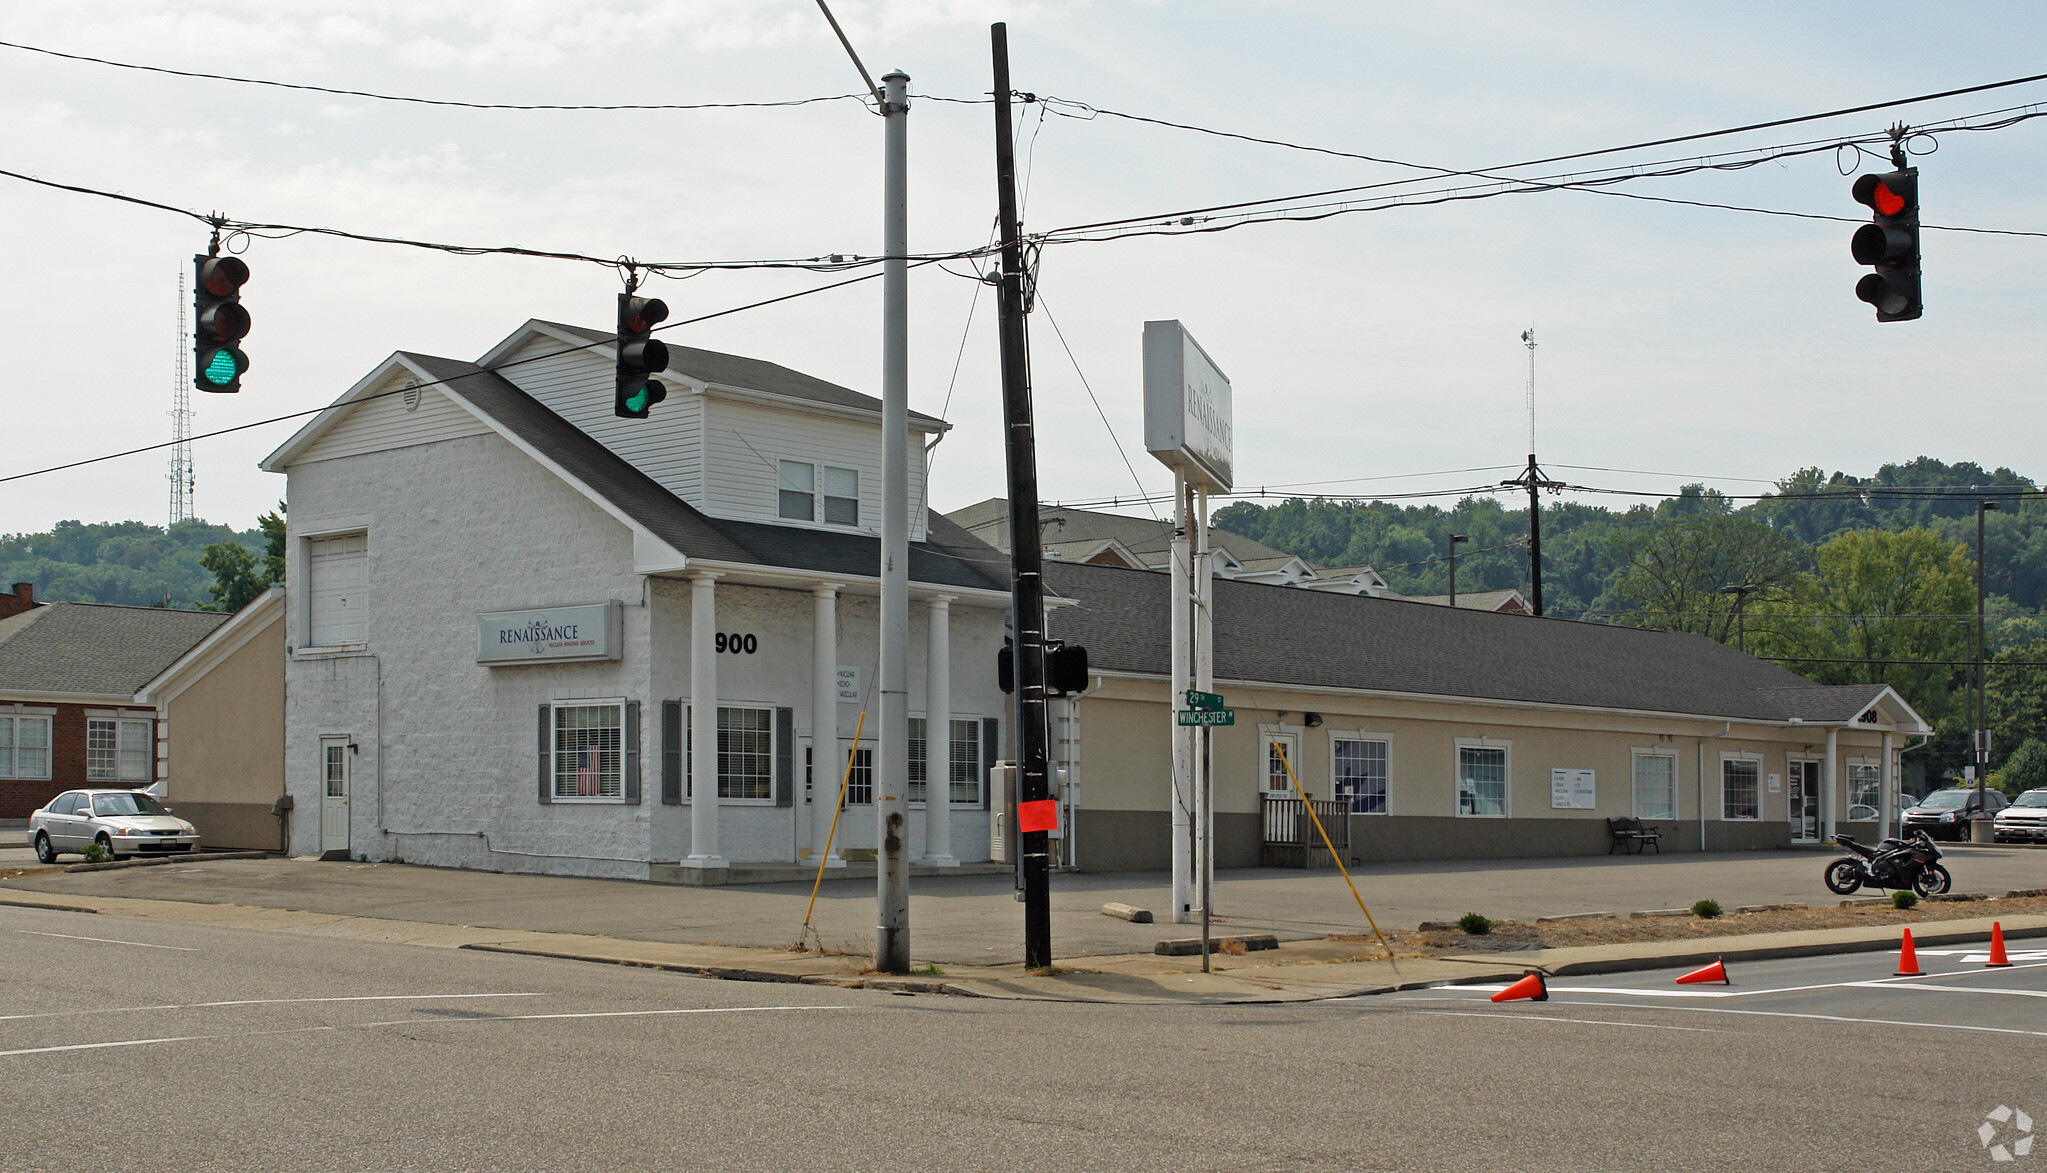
(1187, 412)
(550, 635)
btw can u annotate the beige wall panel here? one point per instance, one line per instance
(227, 729)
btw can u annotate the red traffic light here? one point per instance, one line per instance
(643, 314)
(1872, 192)
(222, 277)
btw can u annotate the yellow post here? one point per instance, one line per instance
(844, 781)
(1310, 808)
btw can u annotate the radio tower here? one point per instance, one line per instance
(1531, 478)
(181, 421)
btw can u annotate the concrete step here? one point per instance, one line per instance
(798, 873)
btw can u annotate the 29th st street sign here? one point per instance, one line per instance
(1196, 699)
(1206, 716)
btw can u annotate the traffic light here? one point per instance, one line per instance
(1890, 241)
(218, 322)
(639, 356)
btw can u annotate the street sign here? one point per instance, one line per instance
(1197, 699)
(1206, 716)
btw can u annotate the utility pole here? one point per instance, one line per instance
(1454, 540)
(1532, 479)
(1741, 592)
(1026, 556)
(1979, 734)
(892, 811)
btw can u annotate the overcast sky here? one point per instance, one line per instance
(1691, 342)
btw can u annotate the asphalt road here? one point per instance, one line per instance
(133, 1042)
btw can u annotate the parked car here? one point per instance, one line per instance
(122, 822)
(1945, 814)
(2025, 820)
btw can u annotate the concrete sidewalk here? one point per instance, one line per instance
(970, 927)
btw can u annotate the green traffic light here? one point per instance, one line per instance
(639, 400)
(223, 369)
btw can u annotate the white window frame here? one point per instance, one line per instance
(1506, 749)
(825, 496)
(1848, 777)
(784, 485)
(1385, 739)
(10, 754)
(124, 728)
(920, 757)
(1267, 734)
(1754, 760)
(555, 750)
(1635, 756)
(821, 498)
(725, 778)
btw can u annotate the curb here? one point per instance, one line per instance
(1769, 952)
(160, 860)
(741, 973)
(46, 906)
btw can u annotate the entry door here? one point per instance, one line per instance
(334, 763)
(1275, 781)
(1802, 795)
(859, 782)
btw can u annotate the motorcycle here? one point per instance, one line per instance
(1911, 862)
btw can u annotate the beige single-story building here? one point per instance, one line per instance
(220, 722)
(1455, 733)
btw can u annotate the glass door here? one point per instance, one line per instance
(1802, 796)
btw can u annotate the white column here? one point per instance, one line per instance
(938, 738)
(1886, 810)
(1829, 772)
(1182, 797)
(827, 768)
(703, 723)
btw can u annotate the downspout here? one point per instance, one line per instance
(1700, 776)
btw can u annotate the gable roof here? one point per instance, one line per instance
(95, 649)
(747, 374)
(948, 557)
(1316, 639)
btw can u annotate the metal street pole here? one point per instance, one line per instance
(1980, 734)
(891, 810)
(1027, 586)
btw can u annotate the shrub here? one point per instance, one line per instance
(94, 853)
(1706, 909)
(1475, 924)
(1903, 899)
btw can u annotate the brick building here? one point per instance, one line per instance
(69, 673)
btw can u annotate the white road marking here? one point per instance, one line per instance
(1959, 990)
(110, 941)
(1555, 1018)
(261, 1002)
(1853, 1021)
(1915, 981)
(399, 1022)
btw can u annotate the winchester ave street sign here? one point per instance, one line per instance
(1206, 716)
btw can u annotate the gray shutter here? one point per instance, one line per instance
(632, 753)
(785, 757)
(991, 745)
(546, 759)
(671, 753)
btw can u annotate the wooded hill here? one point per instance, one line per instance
(130, 562)
(1841, 578)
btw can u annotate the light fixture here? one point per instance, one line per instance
(1312, 720)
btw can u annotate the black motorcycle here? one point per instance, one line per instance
(1911, 862)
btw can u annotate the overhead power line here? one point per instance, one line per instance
(413, 386)
(346, 93)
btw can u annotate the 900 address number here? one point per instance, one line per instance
(737, 643)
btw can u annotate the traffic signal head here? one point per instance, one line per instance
(1890, 243)
(218, 322)
(639, 356)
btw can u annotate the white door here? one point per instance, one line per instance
(1275, 782)
(334, 760)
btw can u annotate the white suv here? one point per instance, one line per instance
(2025, 820)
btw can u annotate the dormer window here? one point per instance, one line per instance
(798, 493)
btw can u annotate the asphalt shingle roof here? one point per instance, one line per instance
(1281, 635)
(1148, 538)
(753, 374)
(96, 648)
(948, 557)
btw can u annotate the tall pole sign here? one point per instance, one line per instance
(1188, 426)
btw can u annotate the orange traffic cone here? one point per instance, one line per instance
(1997, 957)
(1908, 958)
(1531, 987)
(1716, 972)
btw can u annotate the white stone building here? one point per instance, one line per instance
(518, 626)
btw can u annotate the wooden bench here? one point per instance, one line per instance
(1629, 833)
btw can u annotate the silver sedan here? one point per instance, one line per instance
(121, 822)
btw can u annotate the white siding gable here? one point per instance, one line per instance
(577, 386)
(381, 424)
(746, 441)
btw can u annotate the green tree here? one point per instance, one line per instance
(236, 579)
(1674, 574)
(2025, 769)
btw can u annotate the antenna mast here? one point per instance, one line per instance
(1528, 337)
(1533, 480)
(181, 420)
